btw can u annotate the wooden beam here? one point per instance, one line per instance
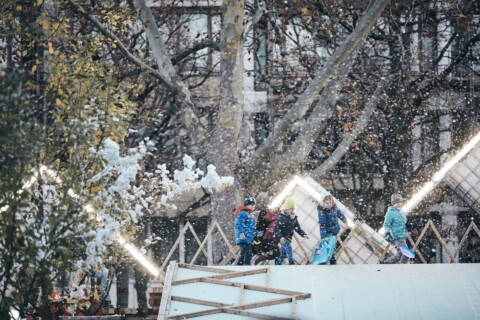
(420, 255)
(167, 286)
(199, 301)
(239, 309)
(444, 245)
(174, 247)
(228, 275)
(464, 238)
(196, 314)
(209, 261)
(202, 245)
(300, 245)
(203, 268)
(253, 287)
(224, 236)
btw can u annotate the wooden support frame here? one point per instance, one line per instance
(219, 277)
(201, 249)
(471, 226)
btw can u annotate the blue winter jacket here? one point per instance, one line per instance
(396, 223)
(246, 225)
(328, 220)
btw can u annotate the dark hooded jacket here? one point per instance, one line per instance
(286, 225)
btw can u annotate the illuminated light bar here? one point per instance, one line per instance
(439, 175)
(314, 193)
(137, 254)
(279, 199)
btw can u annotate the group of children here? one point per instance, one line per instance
(271, 235)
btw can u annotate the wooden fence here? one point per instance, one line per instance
(378, 251)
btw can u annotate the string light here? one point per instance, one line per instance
(134, 252)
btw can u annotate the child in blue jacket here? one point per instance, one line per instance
(328, 215)
(245, 229)
(395, 225)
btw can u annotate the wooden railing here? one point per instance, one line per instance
(376, 249)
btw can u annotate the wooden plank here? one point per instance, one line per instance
(224, 236)
(196, 314)
(419, 254)
(236, 309)
(271, 302)
(175, 245)
(343, 247)
(232, 274)
(415, 246)
(444, 245)
(464, 238)
(242, 293)
(199, 301)
(167, 286)
(300, 245)
(203, 268)
(209, 233)
(231, 255)
(252, 287)
(210, 262)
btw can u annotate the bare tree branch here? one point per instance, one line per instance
(196, 47)
(299, 109)
(348, 139)
(295, 157)
(119, 44)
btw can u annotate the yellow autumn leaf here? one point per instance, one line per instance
(24, 53)
(34, 68)
(50, 48)
(95, 189)
(59, 102)
(39, 3)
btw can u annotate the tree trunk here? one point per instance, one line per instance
(223, 147)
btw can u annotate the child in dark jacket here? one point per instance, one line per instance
(266, 222)
(287, 224)
(245, 229)
(328, 215)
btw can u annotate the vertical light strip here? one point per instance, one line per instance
(279, 199)
(439, 175)
(137, 254)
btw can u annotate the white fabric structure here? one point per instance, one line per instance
(464, 179)
(349, 292)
